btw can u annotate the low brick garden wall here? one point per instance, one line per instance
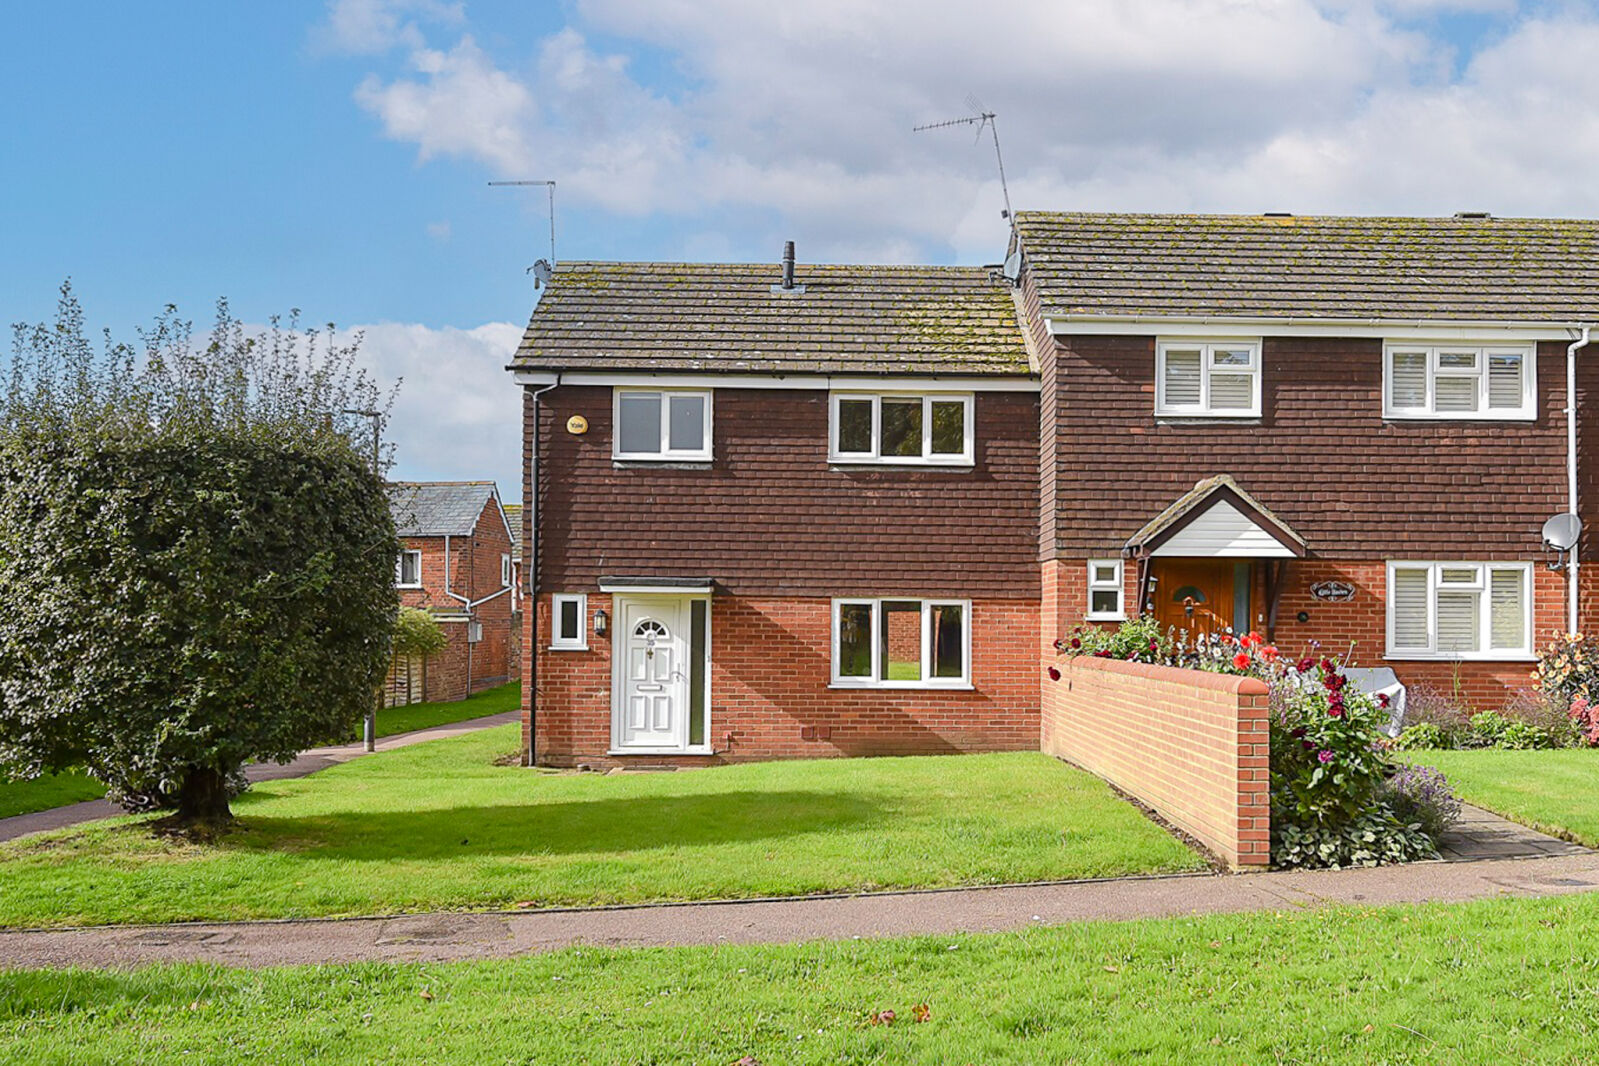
(1191, 745)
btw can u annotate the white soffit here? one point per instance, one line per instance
(1223, 532)
(732, 380)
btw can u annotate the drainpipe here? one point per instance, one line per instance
(530, 568)
(1571, 467)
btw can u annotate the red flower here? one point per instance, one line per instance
(1054, 674)
(1335, 711)
(1076, 643)
(1241, 660)
(1246, 641)
(1383, 700)
(1256, 637)
(1334, 682)
(1270, 652)
(1304, 665)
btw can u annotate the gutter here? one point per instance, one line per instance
(1571, 469)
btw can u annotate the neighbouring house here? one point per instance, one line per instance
(839, 510)
(455, 562)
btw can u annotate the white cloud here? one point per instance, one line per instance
(458, 414)
(367, 27)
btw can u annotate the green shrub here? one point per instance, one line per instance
(1425, 735)
(196, 554)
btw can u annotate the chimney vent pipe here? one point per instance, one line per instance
(788, 264)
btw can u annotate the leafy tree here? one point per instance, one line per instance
(196, 554)
(417, 632)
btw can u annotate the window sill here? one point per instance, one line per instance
(568, 647)
(852, 465)
(1190, 419)
(1118, 617)
(661, 464)
(408, 588)
(1469, 416)
(900, 686)
(1497, 657)
(703, 749)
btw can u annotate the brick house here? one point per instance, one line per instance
(456, 562)
(844, 510)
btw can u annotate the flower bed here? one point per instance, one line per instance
(1338, 798)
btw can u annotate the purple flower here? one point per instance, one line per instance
(1324, 756)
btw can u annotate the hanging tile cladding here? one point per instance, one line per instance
(769, 516)
(1321, 456)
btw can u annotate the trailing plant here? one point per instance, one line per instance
(196, 554)
(1421, 795)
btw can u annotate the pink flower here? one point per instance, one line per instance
(1241, 660)
(1324, 756)
(1054, 674)
(1335, 710)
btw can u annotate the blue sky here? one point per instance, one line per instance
(335, 156)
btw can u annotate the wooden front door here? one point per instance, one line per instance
(1194, 594)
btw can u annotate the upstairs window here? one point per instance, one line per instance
(892, 428)
(1458, 381)
(1207, 378)
(408, 569)
(1459, 610)
(506, 573)
(662, 424)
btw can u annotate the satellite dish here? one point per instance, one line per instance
(1561, 532)
(541, 272)
(1013, 266)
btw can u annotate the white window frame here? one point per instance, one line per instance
(506, 576)
(666, 453)
(1207, 347)
(399, 569)
(1482, 585)
(927, 458)
(580, 642)
(1120, 613)
(964, 682)
(1528, 411)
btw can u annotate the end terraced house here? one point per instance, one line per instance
(791, 511)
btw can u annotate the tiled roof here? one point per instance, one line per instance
(1197, 497)
(438, 508)
(726, 317)
(513, 518)
(1408, 269)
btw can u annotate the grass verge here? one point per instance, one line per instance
(1491, 982)
(392, 720)
(42, 793)
(1552, 791)
(438, 826)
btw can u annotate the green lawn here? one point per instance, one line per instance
(52, 790)
(438, 825)
(1555, 791)
(392, 720)
(1503, 981)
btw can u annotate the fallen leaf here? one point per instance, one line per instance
(1113, 969)
(748, 1060)
(921, 1013)
(427, 995)
(525, 904)
(883, 1017)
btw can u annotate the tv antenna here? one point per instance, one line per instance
(540, 270)
(982, 118)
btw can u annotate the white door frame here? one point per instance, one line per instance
(682, 602)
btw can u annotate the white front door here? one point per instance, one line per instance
(652, 692)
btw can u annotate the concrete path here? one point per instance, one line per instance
(308, 762)
(449, 937)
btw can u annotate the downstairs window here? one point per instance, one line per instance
(887, 643)
(1459, 610)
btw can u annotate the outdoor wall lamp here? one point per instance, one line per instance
(599, 622)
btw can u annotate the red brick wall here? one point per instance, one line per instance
(474, 572)
(1321, 456)
(770, 672)
(1357, 628)
(770, 517)
(1191, 745)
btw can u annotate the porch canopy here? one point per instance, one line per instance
(1217, 519)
